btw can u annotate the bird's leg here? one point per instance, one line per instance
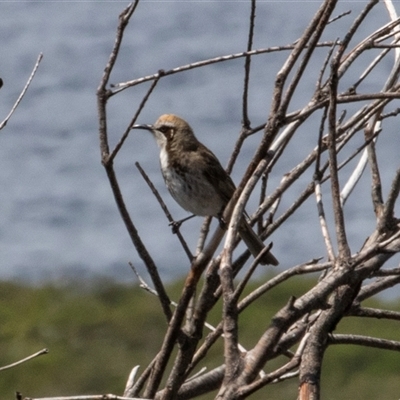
(222, 222)
(177, 224)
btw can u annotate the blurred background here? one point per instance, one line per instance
(58, 218)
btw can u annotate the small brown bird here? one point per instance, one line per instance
(195, 177)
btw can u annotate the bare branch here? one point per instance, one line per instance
(124, 85)
(245, 115)
(365, 341)
(102, 98)
(124, 18)
(20, 97)
(131, 380)
(374, 313)
(39, 353)
(165, 209)
(387, 219)
(135, 117)
(278, 374)
(343, 247)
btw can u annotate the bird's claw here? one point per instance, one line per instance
(175, 225)
(222, 223)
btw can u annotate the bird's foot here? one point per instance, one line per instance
(222, 222)
(177, 224)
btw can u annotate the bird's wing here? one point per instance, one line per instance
(216, 175)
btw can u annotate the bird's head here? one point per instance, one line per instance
(170, 129)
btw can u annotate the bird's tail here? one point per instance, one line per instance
(255, 245)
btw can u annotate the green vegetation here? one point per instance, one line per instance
(96, 334)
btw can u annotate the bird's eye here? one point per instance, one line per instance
(164, 129)
(167, 131)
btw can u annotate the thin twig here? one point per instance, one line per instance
(135, 117)
(388, 272)
(165, 209)
(102, 98)
(102, 92)
(245, 97)
(376, 187)
(131, 381)
(124, 85)
(306, 268)
(358, 170)
(374, 313)
(39, 353)
(138, 243)
(318, 193)
(343, 14)
(365, 341)
(124, 18)
(16, 104)
(343, 247)
(387, 219)
(324, 225)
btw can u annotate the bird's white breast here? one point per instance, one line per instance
(164, 160)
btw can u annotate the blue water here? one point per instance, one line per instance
(58, 217)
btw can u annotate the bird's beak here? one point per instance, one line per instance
(145, 127)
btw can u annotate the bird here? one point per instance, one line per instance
(196, 179)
